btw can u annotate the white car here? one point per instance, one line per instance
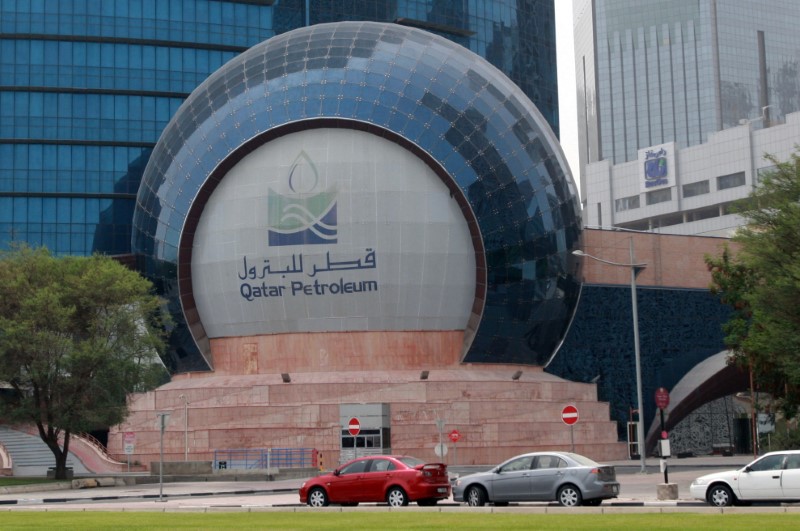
(772, 477)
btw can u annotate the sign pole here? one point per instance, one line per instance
(572, 436)
(354, 428)
(454, 436)
(128, 442)
(570, 416)
(662, 401)
(163, 422)
(663, 432)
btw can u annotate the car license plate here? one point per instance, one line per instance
(443, 490)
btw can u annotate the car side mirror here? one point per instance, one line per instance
(748, 469)
(336, 472)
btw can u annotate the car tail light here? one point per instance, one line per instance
(431, 471)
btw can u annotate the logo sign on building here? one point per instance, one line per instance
(331, 230)
(304, 217)
(657, 166)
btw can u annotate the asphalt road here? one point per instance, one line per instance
(637, 490)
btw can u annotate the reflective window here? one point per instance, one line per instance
(549, 461)
(770, 462)
(730, 181)
(626, 203)
(693, 189)
(523, 463)
(659, 196)
(763, 172)
(356, 467)
(381, 465)
(792, 461)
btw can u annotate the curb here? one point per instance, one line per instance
(152, 496)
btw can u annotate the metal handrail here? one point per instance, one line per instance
(265, 458)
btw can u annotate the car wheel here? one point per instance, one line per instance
(397, 497)
(569, 496)
(318, 498)
(475, 497)
(720, 496)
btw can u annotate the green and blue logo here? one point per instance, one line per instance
(304, 217)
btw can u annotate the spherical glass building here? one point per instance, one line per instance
(355, 177)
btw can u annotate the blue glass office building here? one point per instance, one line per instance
(87, 87)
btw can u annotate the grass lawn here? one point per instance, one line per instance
(390, 520)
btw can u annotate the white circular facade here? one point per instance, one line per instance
(332, 230)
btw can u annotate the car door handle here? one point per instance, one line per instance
(776, 477)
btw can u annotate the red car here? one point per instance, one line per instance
(394, 479)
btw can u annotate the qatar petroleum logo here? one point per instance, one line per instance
(303, 217)
(655, 168)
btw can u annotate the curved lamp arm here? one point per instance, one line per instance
(637, 268)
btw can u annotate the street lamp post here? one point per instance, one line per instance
(185, 427)
(635, 270)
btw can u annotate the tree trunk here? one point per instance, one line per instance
(50, 436)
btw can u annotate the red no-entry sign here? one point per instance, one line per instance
(354, 426)
(662, 398)
(454, 436)
(569, 415)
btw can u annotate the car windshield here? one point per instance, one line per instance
(582, 460)
(410, 462)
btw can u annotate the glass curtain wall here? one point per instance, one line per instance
(87, 87)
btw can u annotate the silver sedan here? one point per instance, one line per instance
(568, 478)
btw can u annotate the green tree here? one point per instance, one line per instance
(762, 284)
(77, 335)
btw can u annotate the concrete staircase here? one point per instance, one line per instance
(30, 456)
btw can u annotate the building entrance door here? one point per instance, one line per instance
(373, 436)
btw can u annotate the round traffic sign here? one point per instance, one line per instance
(354, 426)
(454, 436)
(569, 415)
(662, 398)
